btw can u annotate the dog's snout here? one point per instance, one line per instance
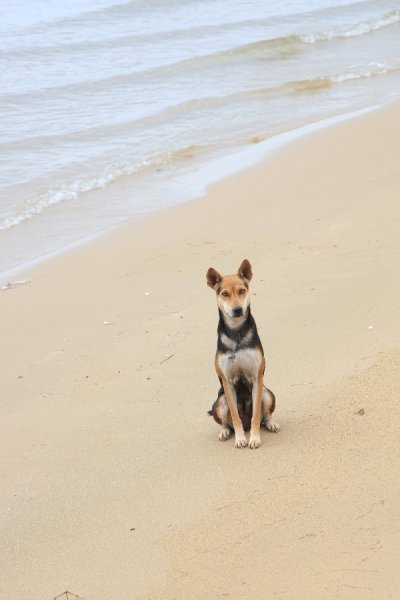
(237, 311)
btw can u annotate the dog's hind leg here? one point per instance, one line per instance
(220, 411)
(268, 400)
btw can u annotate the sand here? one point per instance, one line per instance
(114, 485)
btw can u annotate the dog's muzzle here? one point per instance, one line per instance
(237, 311)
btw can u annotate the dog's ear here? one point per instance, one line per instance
(245, 270)
(213, 278)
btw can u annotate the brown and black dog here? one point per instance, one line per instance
(243, 402)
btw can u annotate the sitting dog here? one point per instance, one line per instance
(243, 402)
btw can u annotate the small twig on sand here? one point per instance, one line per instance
(167, 358)
(66, 595)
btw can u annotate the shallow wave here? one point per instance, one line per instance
(72, 190)
(117, 7)
(123, 8)
(164, 115)
(364, 72)
(315, 83)
(272, 48)
(374, 69)
(276, 47)
(73, 17)
(174, 111)
(284, 46)
(44, 48)
(354, 30)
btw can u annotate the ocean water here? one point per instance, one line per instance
(109, 108)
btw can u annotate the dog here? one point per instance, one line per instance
(243, 402)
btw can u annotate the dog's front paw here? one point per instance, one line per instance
(240, 441)
(224, 434)
(254, 441)
(272, 426)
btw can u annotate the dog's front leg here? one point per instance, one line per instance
(231, 398)
(255, 441)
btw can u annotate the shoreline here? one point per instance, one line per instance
(210, 173)
(114, 482)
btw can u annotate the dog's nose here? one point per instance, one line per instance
(237, 311)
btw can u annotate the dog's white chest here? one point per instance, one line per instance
(243, 363)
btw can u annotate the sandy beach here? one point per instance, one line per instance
(114, 484)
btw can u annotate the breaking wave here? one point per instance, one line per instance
(361, 28)
(72, 190)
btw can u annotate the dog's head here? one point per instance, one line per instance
(233, 297)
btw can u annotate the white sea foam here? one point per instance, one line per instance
(354, 30)
(363, 71)
(72, 190)
(68, 191)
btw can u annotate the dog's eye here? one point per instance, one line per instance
(225, 294)
(242, 291)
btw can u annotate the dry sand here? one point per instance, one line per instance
(114, 485)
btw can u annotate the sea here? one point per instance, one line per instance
(110, 109)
